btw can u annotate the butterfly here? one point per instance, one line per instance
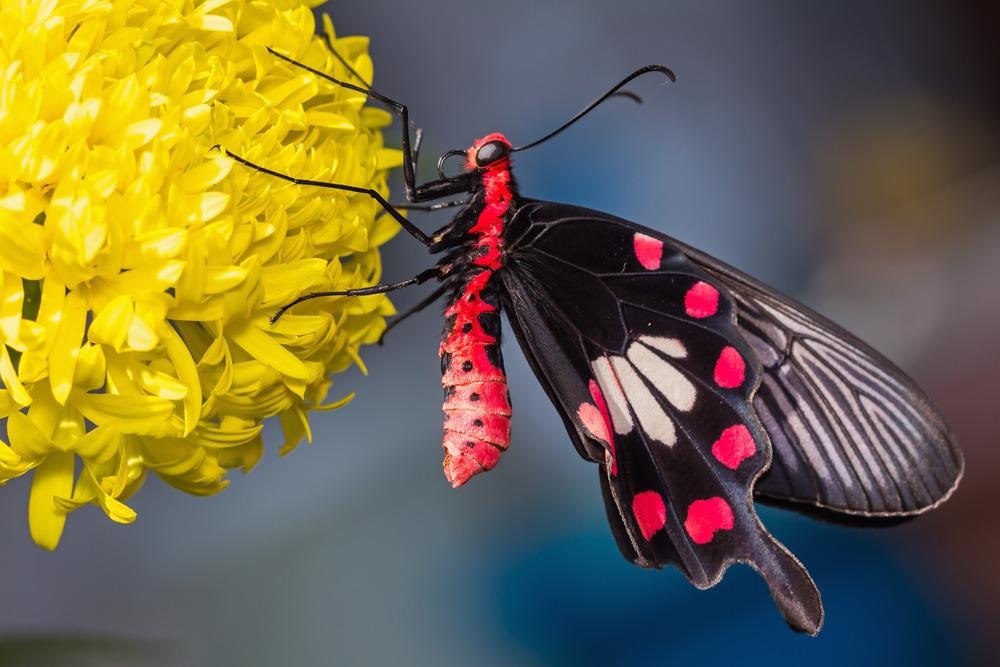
(695, 389)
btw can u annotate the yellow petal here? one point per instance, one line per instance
(111, 325)
(26, 439)
(223, 279)
(266, 350)
(7, 403)
(88, 490)
(376, 119)
(228, 435)
(187, 374)
(141, 133)
(35, 362)
(211, 22)
(211, 204)
(294, 426)
(11, 305)
(384, 229)
(141, 335)
(283, 281)
(142, 415)
(66, 348)
(206, 174)
(115, 510)
(99, 444)
(108, 490)
(22, 247)
(91, 367)
(10, 379)
(335, 404)
(156, 278)
(155, 246)
(54, 477)
(388, 158)
(329, 119)
(250, 453)
(12, 465)
(151, 381)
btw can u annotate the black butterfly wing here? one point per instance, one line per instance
(639, 351)
(853, 437)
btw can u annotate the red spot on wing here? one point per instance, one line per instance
(706, 517)
(649, 512)
(648, 250)
(734, 446)
(702, 300)
(730, 369)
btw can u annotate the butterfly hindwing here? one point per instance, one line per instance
(853, 437)
(639, 351)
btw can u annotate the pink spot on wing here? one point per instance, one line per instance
(734, 446)
(648, 250)
(730, 369)
(706, 517)
(650, 513)
(602, 405)
(593, 421)
(702, 300)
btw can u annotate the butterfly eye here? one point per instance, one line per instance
(490, 152)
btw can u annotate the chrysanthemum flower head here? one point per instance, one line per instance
(139, 267)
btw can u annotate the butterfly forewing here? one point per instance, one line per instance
(639, 351)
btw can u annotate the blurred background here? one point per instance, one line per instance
(847, 153)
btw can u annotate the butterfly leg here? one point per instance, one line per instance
(414, 192)
(418, 134)
(421, 277)
(424, 303)
(431, 207)
(410, 228)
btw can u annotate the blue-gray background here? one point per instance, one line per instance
(846, 152)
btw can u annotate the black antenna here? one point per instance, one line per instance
(590, 107)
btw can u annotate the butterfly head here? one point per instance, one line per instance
(485, 158)
(490, 153)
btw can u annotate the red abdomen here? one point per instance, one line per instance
(476, 402)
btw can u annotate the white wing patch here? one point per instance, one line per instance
(654, 421)
(621, 417)
(668, 346)
(664, 376)
(626, 383)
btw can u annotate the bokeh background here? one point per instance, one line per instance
(847, 153)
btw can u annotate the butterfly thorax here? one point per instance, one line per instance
(476, 401)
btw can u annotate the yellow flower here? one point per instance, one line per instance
(138, 267)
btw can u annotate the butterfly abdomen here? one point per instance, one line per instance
(476, 402)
